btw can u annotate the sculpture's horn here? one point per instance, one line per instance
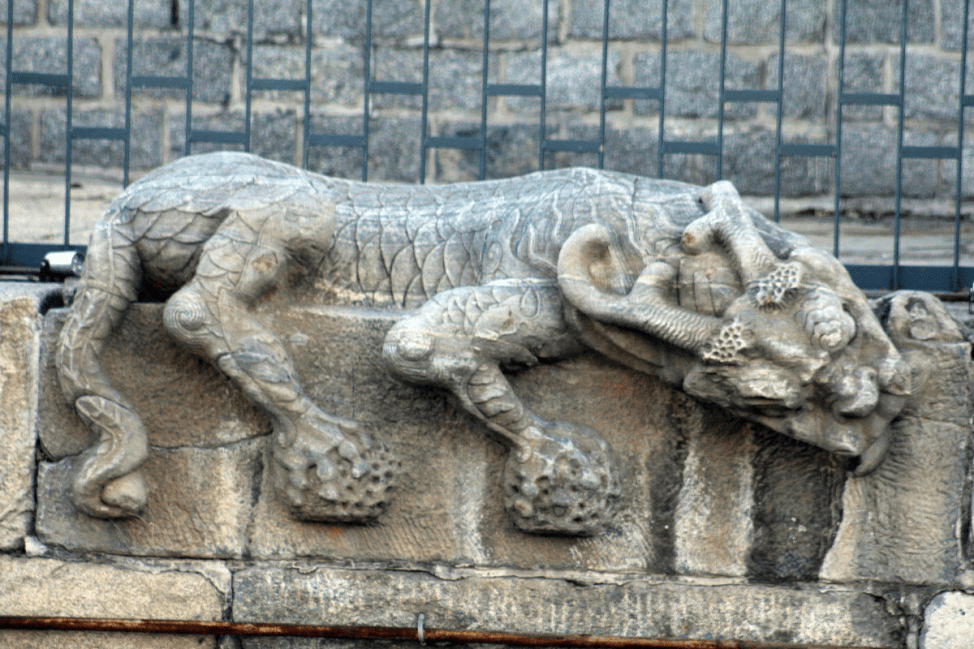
(585, 266)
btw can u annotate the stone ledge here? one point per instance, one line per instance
(169, 590)
(547, 604)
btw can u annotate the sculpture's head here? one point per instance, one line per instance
(789, 343)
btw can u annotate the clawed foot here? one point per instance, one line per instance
(564, 479)
(332, 471)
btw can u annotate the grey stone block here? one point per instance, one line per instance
(639, 608)
(394, 149)
(751, 22)
(198, 409)
(805, 86)
(932, 88)
(19, 342)
(693, 83)
(749, 159)
(164, 591)
(166, 56)
(879, 21)
(573, 81)
(25, 12)
(455, 78)
(228, 121)
(49, 55)
(103, 640)
(952, 24)
(869, 162)
(632, 150)
(199, 506)
(914, 490)
(21, 135)
(274, 135)
(511, 150)
(441, 449)
(347, 20)
(341, 162)
(336, 72)
(948, 621)
(280, 18)
(863, 73)
(99, 13)
(509, 20)
(146, 139)
(632, 19)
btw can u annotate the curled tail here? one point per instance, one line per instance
(107, 481)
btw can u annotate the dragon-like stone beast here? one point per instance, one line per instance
(682, 282)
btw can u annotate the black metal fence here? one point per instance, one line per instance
(951, 276)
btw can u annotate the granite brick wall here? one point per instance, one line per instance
(573, 77)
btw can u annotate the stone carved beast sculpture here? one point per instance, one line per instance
(682, 282)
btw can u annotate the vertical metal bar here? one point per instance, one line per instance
(69, 101)
(426, 93)
(837, 181)
(189, 75)
(958, 193)
(8, 86)
(307, 86)
(129, 39)
(781, 110)
(250, 73)
(483, 93)
(899, 149)
(605, 75)
(544, 83)
(723, 84)
(368, 77)
(662, 93)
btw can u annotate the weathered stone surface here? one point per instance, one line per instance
(571, 82)
(509, 20)
(99, 13)
(282, 18)
(146, 142)
(47, 54)
(632, 19)
(510, 151)
(166, 56)
(336, 72)
(19, 342)
(199, 506)
(879, 21)
(338, 358)
(805, 85)
(869, 162)
(551, 605)
(901, 523)
(98, 640)
(948, 622)
(751, 22)
(196, 408)
(163, 591)
(693, 83)
(390, 20)
(952, 24)
(25, 12)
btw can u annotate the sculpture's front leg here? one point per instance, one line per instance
(327, 468)
(560, 477)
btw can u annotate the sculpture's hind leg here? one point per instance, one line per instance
(560, 477)
(326, 468)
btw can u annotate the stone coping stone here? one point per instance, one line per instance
(20, 324)
(547, 603)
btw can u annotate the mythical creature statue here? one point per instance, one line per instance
(682, 282)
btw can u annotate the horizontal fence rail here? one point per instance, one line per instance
(414, 86)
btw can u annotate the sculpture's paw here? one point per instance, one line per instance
(566, 482)
(336, 475)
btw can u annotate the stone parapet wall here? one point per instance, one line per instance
(726, 530)
(573, 77)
